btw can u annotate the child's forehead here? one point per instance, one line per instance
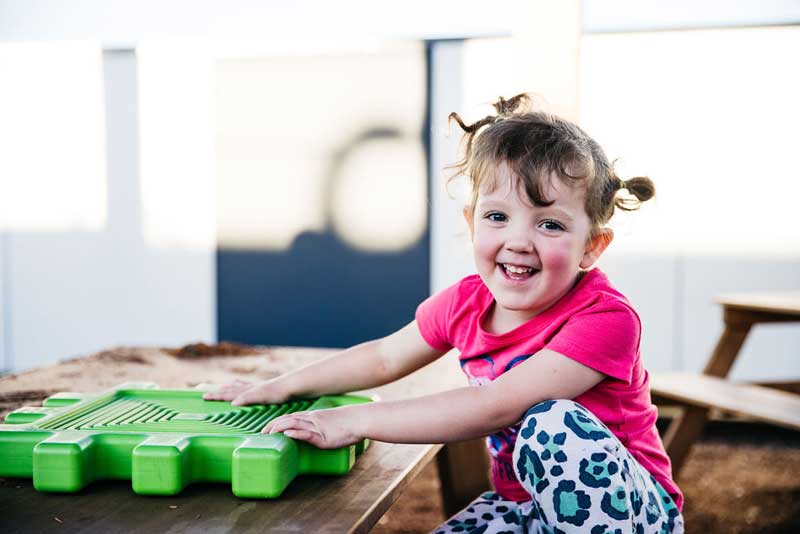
(504, 185)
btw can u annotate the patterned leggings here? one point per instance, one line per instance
(581, 479)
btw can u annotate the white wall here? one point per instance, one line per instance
(129, 22)
(451, 257)
(71, 292)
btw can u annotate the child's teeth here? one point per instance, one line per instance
(517, 270)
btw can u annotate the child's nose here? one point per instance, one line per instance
(519, 241)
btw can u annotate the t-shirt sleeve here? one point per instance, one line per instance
(604, 336)
(433, 317)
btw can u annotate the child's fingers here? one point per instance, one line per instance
(263, 393)
(290, 422)
(227, 391)
(245, 397)
(296, 426)
(305, 435)
(268, 427)
(220, 394)
(295, 421)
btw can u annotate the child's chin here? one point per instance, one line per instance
(518, 306)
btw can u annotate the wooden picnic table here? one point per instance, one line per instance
(351, 503)
(699, 393)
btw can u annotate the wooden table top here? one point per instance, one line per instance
(784, 302)
(352, 503)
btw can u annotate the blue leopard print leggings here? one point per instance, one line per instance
(581, 479)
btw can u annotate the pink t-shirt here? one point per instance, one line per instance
(593, 324)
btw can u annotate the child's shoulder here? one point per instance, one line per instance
(469, 291)
(596, 289)
(470, 282)
(472, 288)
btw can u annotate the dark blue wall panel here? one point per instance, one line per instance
(320, 293)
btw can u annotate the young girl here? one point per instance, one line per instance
(550, 348)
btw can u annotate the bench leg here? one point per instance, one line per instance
(687, 428)
(683, 431)
(463, 473)
(728, 345)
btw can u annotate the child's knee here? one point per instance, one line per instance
(552, 407)
(541, 429)
(554, 417)
(539, 441)
(547, 416)
(543, 436)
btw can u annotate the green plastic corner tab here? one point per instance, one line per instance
(162, 440)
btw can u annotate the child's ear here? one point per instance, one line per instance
(596, 246)
(468, 216)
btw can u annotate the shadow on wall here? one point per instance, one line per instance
(323, 291)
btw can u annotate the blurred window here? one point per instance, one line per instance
(311, 142)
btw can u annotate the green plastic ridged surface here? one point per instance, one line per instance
(162, 440)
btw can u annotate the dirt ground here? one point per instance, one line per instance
(741, 477)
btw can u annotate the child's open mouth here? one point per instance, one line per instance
(517, 272)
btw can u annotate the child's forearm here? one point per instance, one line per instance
(455, 415)
(356, 368)
(364, 366)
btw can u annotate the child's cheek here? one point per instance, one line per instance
(485, 252)
(558, 255)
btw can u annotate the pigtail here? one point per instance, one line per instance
(640, 189)
(508, 107)
(504, 109)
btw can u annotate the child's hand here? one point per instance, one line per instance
(326, 429)
(241, 392)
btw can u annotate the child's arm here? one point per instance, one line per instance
(454, 415)
(363, 366)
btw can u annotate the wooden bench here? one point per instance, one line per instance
(765, 404)
(698, 393)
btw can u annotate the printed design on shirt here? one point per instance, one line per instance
(481, 370)
(502, 440)
(478, 368)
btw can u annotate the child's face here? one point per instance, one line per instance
(529, 256)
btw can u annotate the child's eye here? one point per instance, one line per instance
(552, 225)
(495, 216)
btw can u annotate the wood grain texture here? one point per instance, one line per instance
(728, 346)
(777, 407)
(682, 433)
(782, 303)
